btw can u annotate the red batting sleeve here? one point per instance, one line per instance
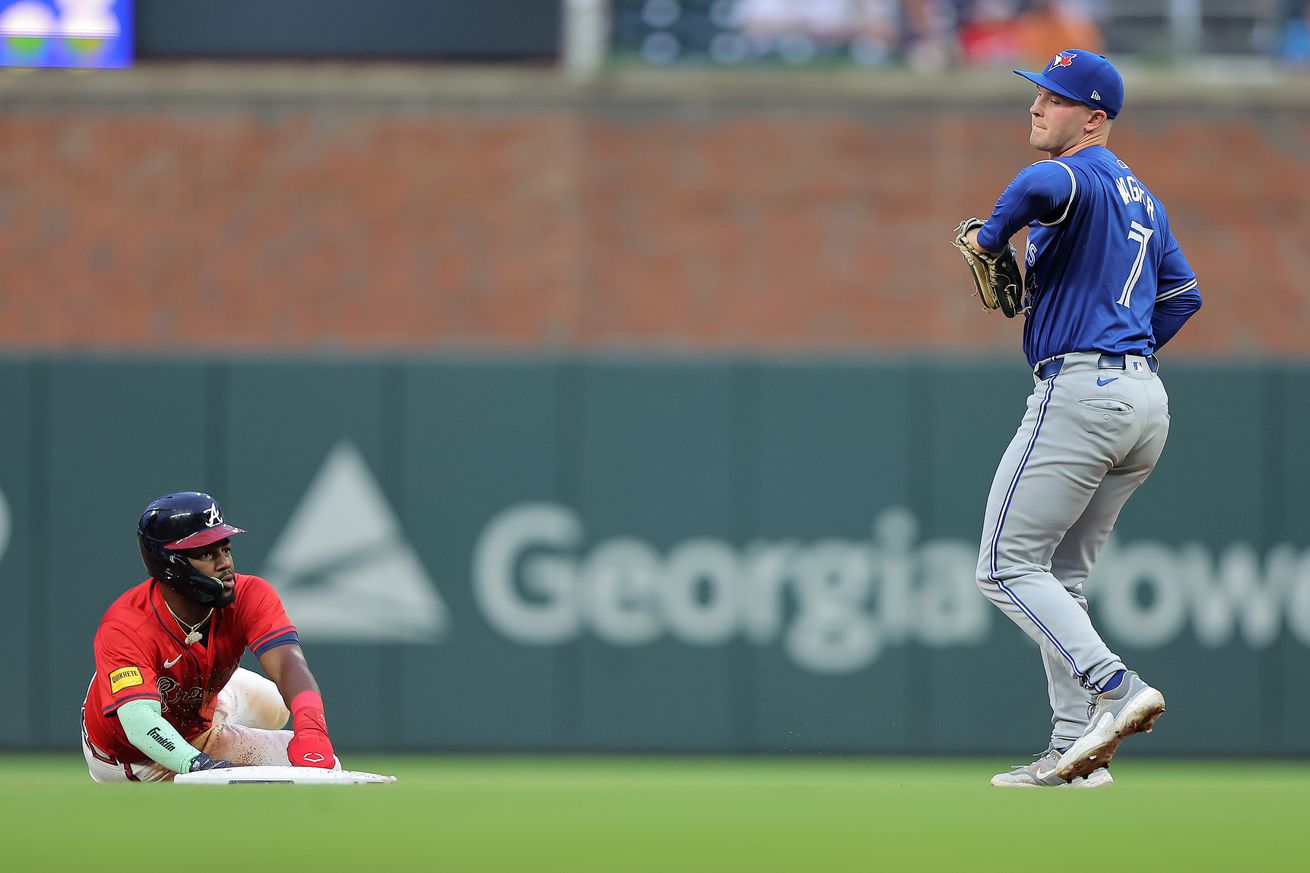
(124, 669)
(262, 616)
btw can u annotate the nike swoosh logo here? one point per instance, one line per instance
(1104, 382)
(168, 664)
(1044, 774)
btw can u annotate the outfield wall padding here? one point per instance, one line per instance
(607, 554)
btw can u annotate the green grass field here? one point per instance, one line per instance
(663, 814)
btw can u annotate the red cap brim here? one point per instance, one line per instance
(204, 537)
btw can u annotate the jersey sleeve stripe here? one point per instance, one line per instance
(144, 695)
(286, 639)
(259, 641)
(1174, 292)
(1073, 191)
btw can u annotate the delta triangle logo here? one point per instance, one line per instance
(343, 567)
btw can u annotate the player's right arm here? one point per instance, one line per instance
(146, 728)
(1041, 192)
(126, 673)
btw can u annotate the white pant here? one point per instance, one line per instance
(247, 714)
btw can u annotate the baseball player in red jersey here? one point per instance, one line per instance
(168, 695)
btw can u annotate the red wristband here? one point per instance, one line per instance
(307, 712)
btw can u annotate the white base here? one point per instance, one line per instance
(273, 775)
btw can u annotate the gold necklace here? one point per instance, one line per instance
(193, 630)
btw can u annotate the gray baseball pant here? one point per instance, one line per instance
(1092, 433)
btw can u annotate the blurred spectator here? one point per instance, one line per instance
(930, 38)
(1050, 26)
(878, 31)
(1295, 43)
(935, 34)
(829, 20)
(989, 33)
(798, 30)
(1004, 32)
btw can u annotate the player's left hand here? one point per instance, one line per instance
(996, 277)
(310, 747)
(204, 762)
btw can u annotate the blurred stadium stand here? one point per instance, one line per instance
(922, 34)
(933, 34)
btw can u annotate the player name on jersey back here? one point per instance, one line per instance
(1131, 191)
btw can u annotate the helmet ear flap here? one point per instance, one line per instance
(175, 567)
(178, 574)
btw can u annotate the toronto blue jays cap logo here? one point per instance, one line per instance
(1063, 59)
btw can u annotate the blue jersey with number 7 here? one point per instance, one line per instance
(1103, 271)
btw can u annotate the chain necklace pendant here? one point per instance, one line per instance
(193, 630)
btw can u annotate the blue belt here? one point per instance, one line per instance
(1107, 362)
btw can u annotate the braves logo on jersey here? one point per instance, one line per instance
(173, 698)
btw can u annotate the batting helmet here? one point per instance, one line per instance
(177, 522)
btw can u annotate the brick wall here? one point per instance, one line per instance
(589, 224)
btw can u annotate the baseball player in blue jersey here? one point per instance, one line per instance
(1105, 288)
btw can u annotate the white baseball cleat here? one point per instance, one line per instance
(1041, 774)
(1131, 708)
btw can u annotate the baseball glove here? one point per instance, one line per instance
(996, 276)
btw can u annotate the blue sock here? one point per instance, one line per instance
(1114, 681)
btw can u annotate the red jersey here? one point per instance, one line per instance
(140, 655)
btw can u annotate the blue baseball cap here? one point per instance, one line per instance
(1084, 77)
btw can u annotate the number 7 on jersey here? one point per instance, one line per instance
(1140, 235)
